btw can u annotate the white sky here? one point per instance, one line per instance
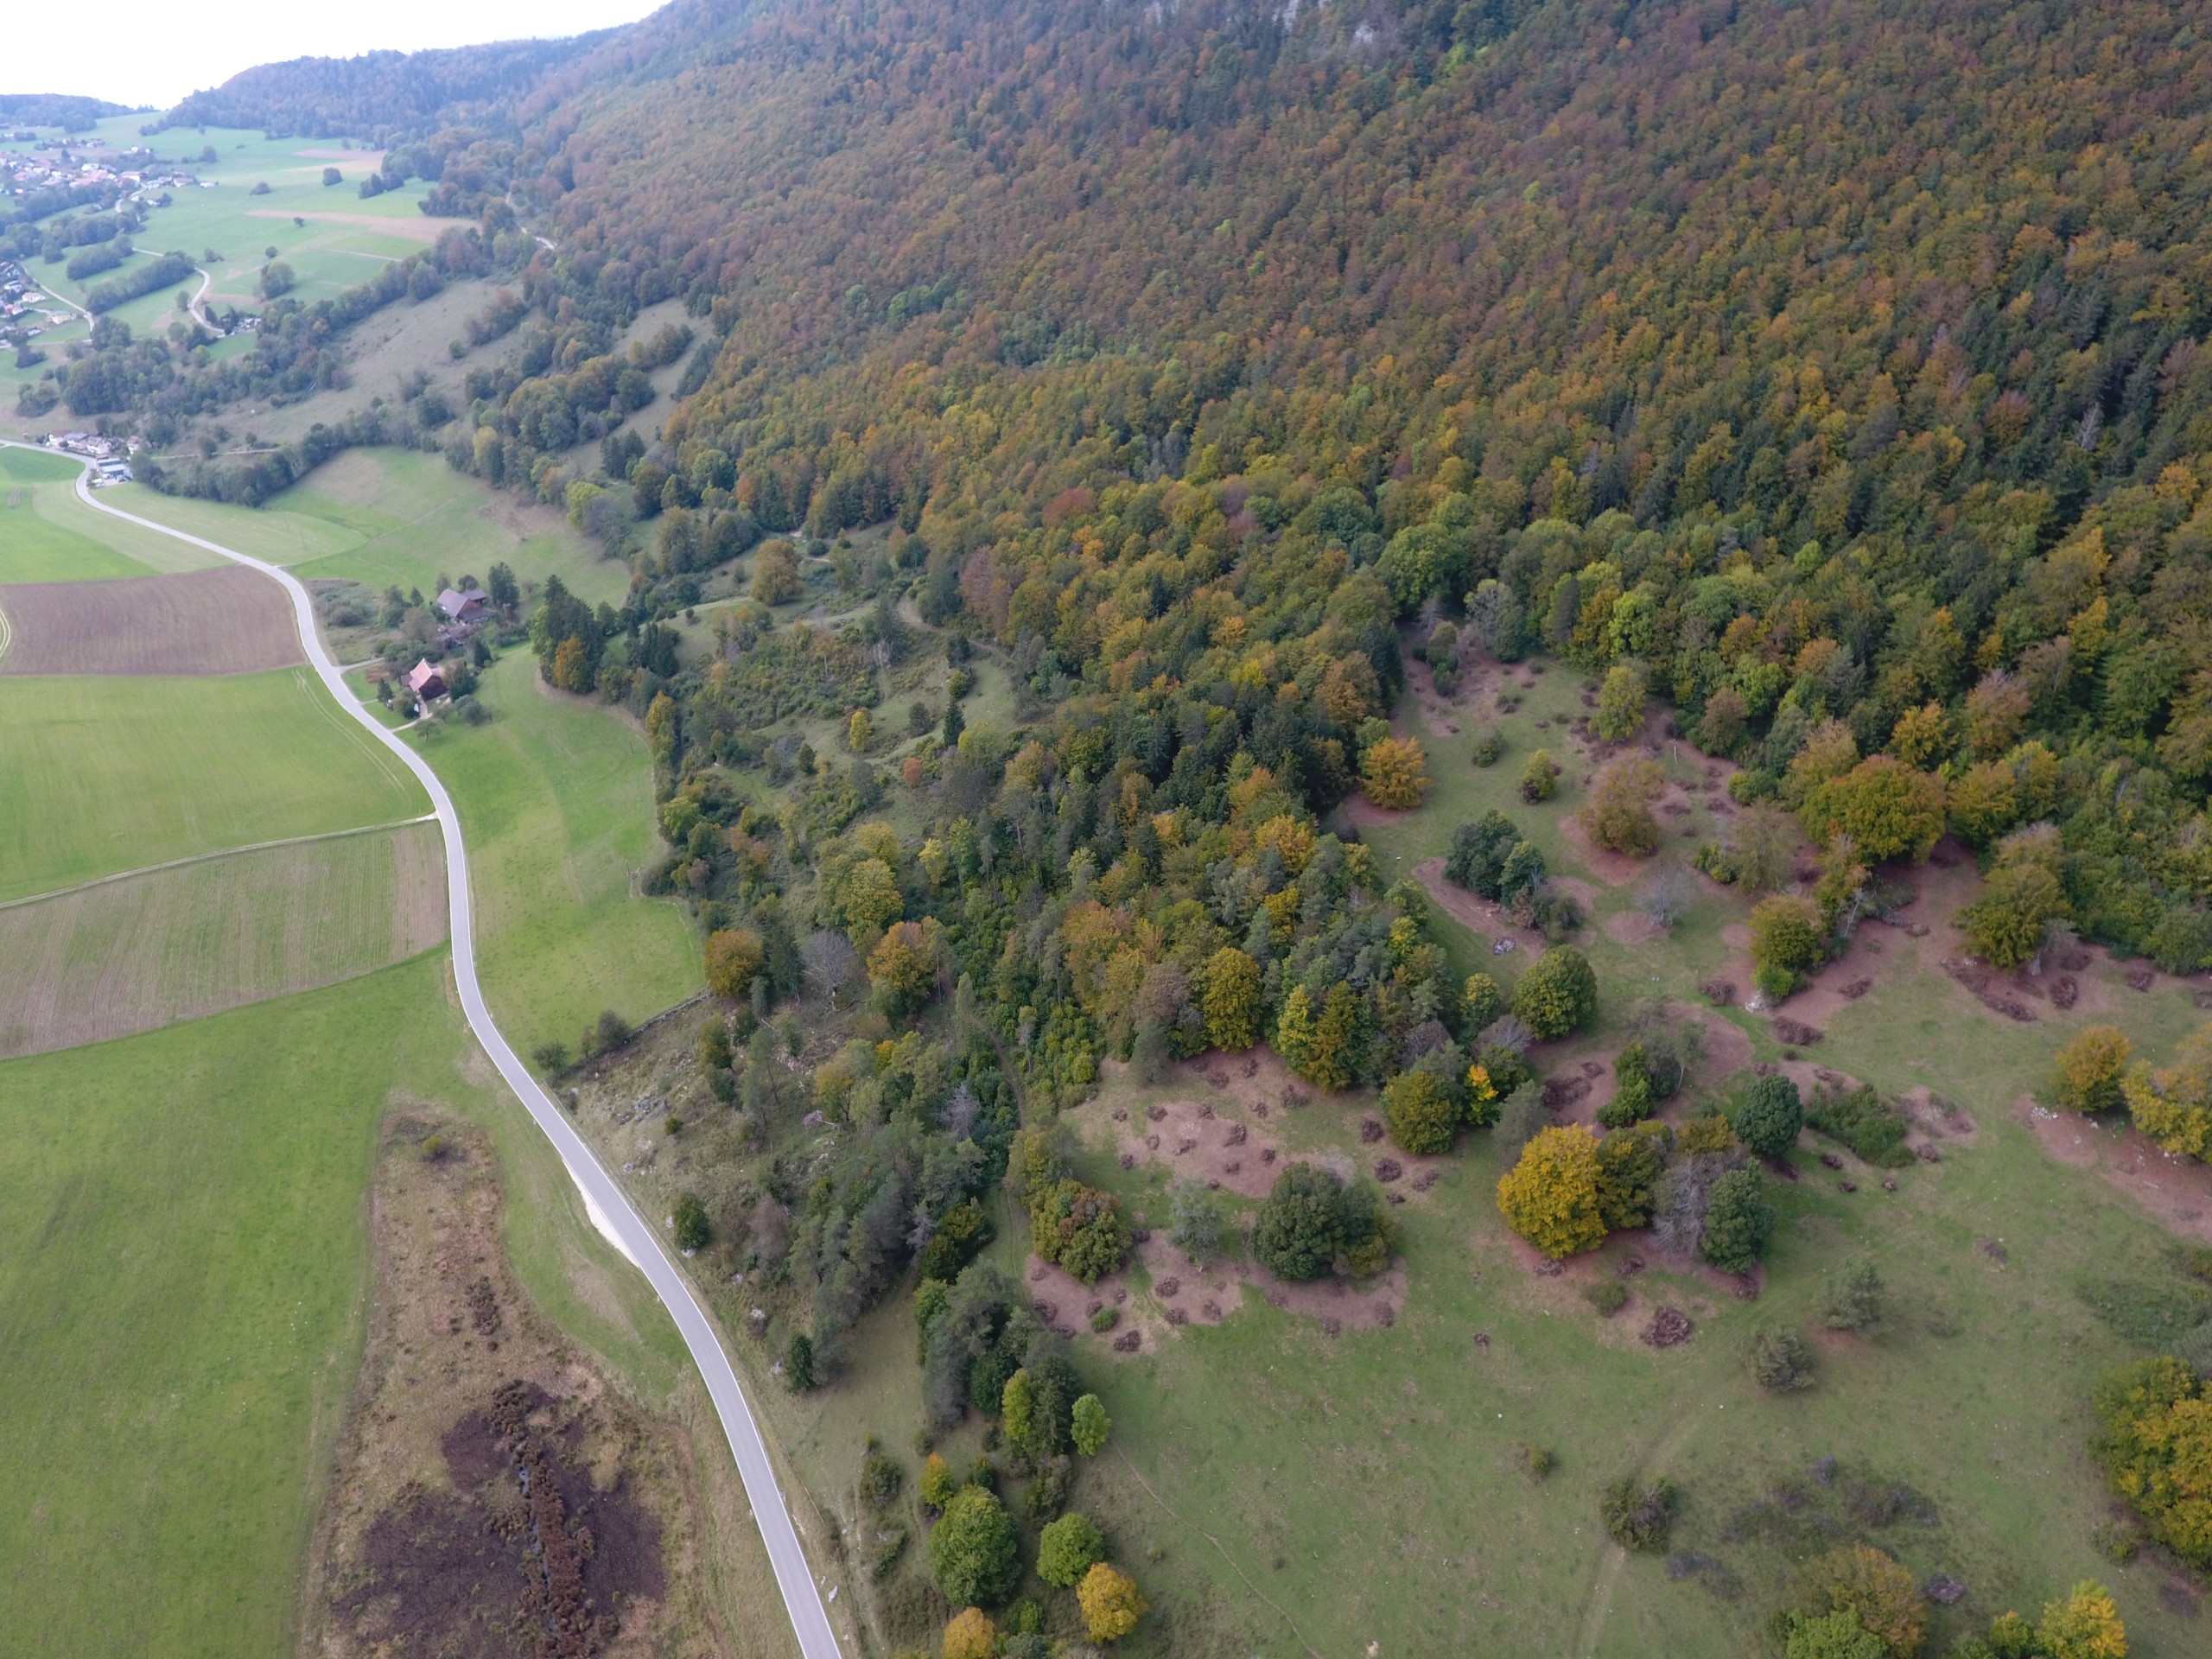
(155, 51)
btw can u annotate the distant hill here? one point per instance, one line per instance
(381, 94)
(64, 109)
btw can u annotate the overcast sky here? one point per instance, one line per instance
(155, 51)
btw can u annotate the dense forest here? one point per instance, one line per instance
(379, 94)
(1837, 363)
(64, 109)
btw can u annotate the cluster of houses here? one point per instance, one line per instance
(109, 456)
(22, 298)
(38, 171)
(459, 613)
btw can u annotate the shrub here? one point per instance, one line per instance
(1558, 994)
(2086, 1625)
(1832, 1635)
(1079, 1228)
(1489, 747)
(1620, 704)
(1767, 1115)
(975, 1552)
(1782, 1361)
(1110, 1602)
(2173, 1104)
(735, 954)
(1550, 1195)
(2091, 1070)
(1088, 1425)
(1618, 815)
(1607, 1296)
(1195, 1221)
(1630, 1164)
(798, 1363)
(1421, 1116)
(1536, 1461)
(1393, 773)
(1231, 1002)
(1539, 777)
(1739, 1222)
(693, 1231)
(1632, 1099)
(1876, 1588)
(2155, 1442)
(1786, 939)
(970, 1635)
(1067, 1549)
(1313, 1224)
(1861, 1121)
(1638, 1517)
(937, 1486)
(1852, 1300)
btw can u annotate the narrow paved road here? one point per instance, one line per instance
(803, 1599)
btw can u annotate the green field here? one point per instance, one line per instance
(47, 535)
(555, 799)
(182, 1306)
(394, 517)
(129, 955)
(100, 775)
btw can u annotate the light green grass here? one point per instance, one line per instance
(395, 517)
(47, 535)
(99, 775)
(182, 1303)
(555, 800)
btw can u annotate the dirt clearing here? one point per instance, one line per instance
(142, 950)
(228, 622)
(494, 1495)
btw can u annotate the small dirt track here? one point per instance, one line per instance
(220, 621)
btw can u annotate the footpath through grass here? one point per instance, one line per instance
(100, 775)
(555, 800)
(395, 517)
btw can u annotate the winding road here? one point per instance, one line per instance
(610, 1206)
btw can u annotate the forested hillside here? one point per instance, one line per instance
(379, 93)
(1835, 360)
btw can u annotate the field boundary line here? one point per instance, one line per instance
(209, 858)
(1224, 1554)
(7, 633)
(609, 1207)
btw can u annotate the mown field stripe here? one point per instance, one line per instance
(203, 858)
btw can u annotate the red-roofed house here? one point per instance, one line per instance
(425, 682)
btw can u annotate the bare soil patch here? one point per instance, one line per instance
(1632, 927)
(494, 1495)
(231, 621)
(1193, 1141)
(1480, 915)
(1437, 715)
(2176, 1192)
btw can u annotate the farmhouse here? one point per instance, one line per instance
(457, 606)
(424, 680)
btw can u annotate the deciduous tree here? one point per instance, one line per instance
(1550, 1196)
(1110, 1602)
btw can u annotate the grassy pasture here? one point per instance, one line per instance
(47, 535)
(103, 775)
(184, 1306)
(555, 799)
(128, 955)
(395, 517)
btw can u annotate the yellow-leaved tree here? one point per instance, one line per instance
(1550, 1196)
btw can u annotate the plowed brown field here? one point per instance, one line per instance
(228, 622)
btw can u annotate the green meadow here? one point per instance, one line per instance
(555, 801)
(100, 775)
(183, 1302)
(394, 517)
(47, 535)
